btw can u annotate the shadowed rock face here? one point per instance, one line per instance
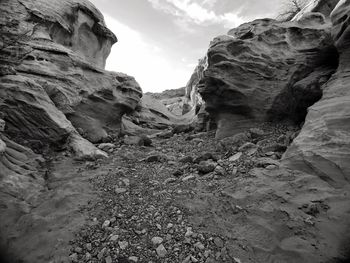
(254, 73)
(56, 71)
(323, 146)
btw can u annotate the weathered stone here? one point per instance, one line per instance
(161, 251)
(205, 167)
(323, 146)
(134, 140)
(252, 72)
(60, 85)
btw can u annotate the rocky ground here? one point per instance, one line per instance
(185, 197)
(149, 196)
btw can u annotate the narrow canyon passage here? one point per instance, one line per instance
(187, 198)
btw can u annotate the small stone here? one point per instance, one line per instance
(101, 253)
(106, 146)
(170, 225)
(118, 190)
(159, 226)
(123, 244)
(206, 167)
(153, 158)
(78, 250)
(271, 167)
(88, 256)
(219, 170)
(161, 251)
(106, 224)
(256, 133)
(234, 171)
(235, 157)
(157, 240)
(133, 140)
(207, 253)
(108, 259)
(134, 259)
(218, 242)
(89, 246)
(170, 180)
(178, 173)
(126, 182)
(199, 245)
(74, 257)
(2, 125)
(114, 238)
(189, 232)
(188, 178)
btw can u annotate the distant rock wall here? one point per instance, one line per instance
(53, 86)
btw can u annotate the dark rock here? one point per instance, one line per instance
(204, 157)
(187, 159)
(183, 128)
(205, 167)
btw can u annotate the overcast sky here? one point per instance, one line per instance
(160, 41)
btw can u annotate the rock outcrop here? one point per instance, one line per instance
(323, 146)
(53, 86)
(266, 70)
(174, 100)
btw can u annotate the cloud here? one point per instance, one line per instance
(197, 12)
(145, 61)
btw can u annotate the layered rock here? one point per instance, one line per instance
(56, 89)
(150, 116)
(323, 146)
(261, 71)
(174, 100)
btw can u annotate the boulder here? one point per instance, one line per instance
(323, 145)
(266, 70)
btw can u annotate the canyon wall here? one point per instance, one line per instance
(53, 86)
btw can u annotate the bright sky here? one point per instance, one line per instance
(160, 41)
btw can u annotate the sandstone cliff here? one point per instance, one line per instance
(54, 88)
(323, 146)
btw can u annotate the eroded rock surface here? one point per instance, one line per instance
(56, 89)
(323, 146)
(254, 72)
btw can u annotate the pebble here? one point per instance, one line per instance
(108, 259)
(271, 167)
(161, 251)
(157, 240)
(134, 259)
(119, 190)
(206, 167)
(218, 242)
(106, 224)
(189, 232)
(199, 245)
(235, 157)
(89, 246)
(114, 238)
(74, 257)
(123, 244)
(219, 170)
(188, 178)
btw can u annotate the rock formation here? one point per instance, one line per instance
(266, 70)
(323, 146)
(56, 89)
(174, 100)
